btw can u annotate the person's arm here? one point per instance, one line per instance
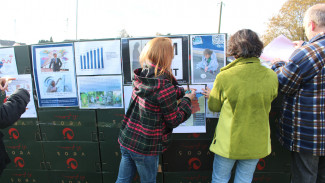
(215, 96)
(180, 92)
(173, 114)
(289, 74)
(57, 81)
(15, 106)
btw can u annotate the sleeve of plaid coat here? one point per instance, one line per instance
(173, 113)
(290, 75)
(180, 92)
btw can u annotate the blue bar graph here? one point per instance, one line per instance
(92, 59)
(81, 62)
(95, 59)
(99, 66)
(87, 60)
(84, 62)
(102, 58)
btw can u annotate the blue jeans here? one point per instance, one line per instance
(147, 167)
(307, 168)
(222, 170)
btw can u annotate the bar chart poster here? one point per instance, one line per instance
(98, 57)
(100, 92)
(54, 75)
(132, 47)
(8, 65)
(24, 81)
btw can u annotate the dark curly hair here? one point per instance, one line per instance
(245, 43)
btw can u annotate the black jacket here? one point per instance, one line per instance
(10, 112)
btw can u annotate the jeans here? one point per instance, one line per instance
(147, 167)
(307, 168)
(222, 170)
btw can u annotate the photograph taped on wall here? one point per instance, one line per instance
(100, 92)
(8, 65)
(196, 123)
(54, 75)
(208, 55)
(131, 50)
(98, 57)
(24, 81)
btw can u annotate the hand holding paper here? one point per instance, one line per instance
(298, 44)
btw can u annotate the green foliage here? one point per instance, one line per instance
(289, 21)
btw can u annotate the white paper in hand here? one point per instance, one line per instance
(281, 47)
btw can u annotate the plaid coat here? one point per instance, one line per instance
(302, 80)
(153, 113)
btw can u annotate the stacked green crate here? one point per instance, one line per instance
(22, 143)
(70, 143)
(109, 123)
(188, 158)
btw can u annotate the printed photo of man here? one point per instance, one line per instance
(55, 63)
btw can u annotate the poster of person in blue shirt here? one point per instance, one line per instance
(208, 56)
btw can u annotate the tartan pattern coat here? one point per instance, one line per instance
(302, 81)
(153, 112)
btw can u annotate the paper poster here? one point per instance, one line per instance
(127, 97)
(24, 81)
(131, 50)
(8, 67)
(208, 56)
(208, 113)
(100, 92)
(177, 64)
(196, 123)
(279, 48)
(98, 57)
(54, 75)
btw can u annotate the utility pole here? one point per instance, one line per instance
(221, 4)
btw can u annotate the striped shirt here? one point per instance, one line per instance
(302, 81)
(153, 113)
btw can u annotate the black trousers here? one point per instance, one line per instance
(306, 168)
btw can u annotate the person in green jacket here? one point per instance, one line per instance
(242, 92)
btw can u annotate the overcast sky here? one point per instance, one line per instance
(31, 20)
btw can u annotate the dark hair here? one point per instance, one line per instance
(245, 43)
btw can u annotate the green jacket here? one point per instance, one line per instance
(242, 93)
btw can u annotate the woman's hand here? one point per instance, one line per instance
(206, 92)
(191, 95)
(4, 83)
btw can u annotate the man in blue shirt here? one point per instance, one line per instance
(302, 81)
